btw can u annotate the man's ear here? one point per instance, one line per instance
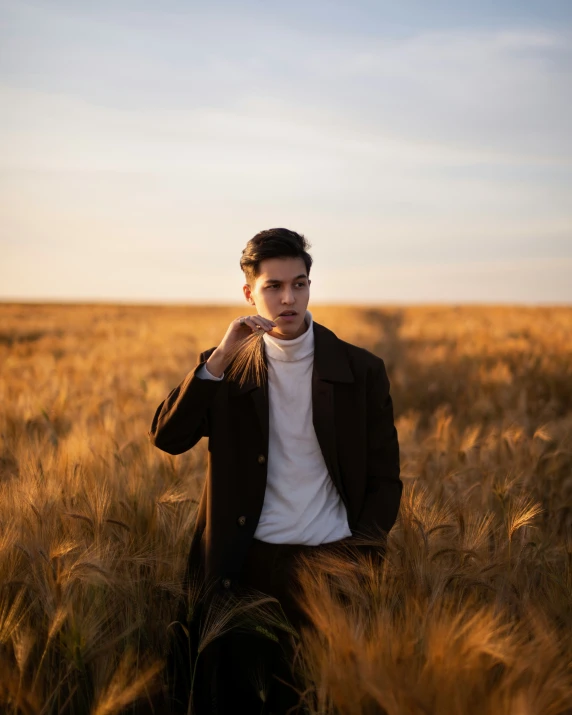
(248, 294)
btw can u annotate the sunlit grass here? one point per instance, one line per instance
(471, 610)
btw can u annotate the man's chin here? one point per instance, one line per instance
(287, 328)
(281, 330)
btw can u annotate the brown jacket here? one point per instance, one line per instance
(353, 419)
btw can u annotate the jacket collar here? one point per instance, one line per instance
(331, 362)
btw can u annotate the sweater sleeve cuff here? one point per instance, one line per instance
(204, 374)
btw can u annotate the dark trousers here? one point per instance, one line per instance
(245, 670)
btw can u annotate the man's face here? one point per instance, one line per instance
(281, 286)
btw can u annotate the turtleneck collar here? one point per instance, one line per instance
(295, 349)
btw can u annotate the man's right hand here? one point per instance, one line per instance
(220, 358)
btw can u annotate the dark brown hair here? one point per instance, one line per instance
(273, 243)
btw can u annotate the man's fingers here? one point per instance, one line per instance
(256, 321)
(268, 324)
(251, 323)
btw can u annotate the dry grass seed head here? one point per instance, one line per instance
(222, 613)
(248, 361)
(521, 512)
(129, 683)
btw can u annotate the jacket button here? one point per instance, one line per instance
(261, 459)
(241, 520)
(226, 583)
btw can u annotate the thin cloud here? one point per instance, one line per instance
(444, 145)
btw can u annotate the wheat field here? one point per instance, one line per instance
(471, 611)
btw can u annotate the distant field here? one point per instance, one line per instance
(472, 612)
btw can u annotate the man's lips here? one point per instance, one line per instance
(288, 314)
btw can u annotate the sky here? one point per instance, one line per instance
(424, 149)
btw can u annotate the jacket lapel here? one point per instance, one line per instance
(259, 396)
(330, 366)
(260, 399)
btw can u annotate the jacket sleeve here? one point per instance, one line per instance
(383, 487)
(182, 418)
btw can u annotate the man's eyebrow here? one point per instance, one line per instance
(275, 280)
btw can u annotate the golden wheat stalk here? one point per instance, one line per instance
(247, 360)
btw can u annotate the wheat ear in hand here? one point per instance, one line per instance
(247, 359)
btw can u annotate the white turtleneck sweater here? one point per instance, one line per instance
(301, 503)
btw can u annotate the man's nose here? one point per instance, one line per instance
(288, 296)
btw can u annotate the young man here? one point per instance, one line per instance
(307, 459)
